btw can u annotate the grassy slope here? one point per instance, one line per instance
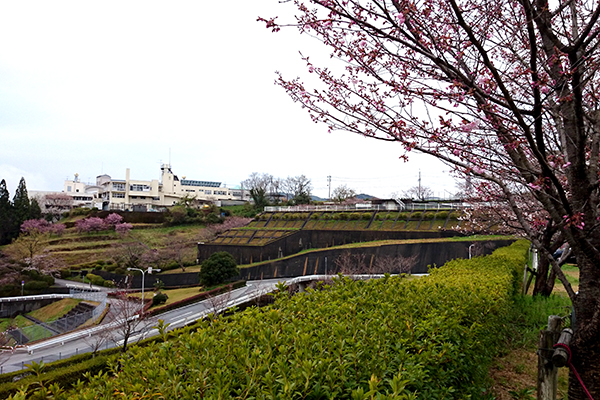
(514, 375)
(54, 311)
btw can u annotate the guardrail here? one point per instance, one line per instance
(369, 207)
(34, 298)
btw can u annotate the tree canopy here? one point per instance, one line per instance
(505, 92)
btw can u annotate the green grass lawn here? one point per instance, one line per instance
(174, 294)
(54, 311)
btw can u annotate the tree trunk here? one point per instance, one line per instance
(541, 278)
(585, 346)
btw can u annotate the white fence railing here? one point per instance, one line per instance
(371, 207)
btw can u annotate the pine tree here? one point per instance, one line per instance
(6, 223)
(35, 211)
(21, 203)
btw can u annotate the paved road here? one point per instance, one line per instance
(70, 344)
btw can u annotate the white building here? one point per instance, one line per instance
(139, 195)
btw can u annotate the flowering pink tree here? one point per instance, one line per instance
(113, 219)
(30, 248)
(503, 91)
(91, 224)
(123, 228)
(55, 204)
(41, 226)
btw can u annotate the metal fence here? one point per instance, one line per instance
(371, 207)
(36, 330)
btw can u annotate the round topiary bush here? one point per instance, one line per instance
(218, 268)
(159, 298)
(429, 215)
(442, 215)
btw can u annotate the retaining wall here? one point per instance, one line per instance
(323, 261)
(311, 239)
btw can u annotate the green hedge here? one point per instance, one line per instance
(430, 338)
(64, 374)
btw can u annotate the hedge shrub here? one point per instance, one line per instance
(429, 338)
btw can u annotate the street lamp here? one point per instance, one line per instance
(149, 271)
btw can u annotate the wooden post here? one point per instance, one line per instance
(547, 372)
(560, 358)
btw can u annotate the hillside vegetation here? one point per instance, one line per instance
(389, 339)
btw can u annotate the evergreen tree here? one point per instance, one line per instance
(6, 223)
(21, 203)
(35, 211)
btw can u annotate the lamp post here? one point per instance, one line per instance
(149, 271)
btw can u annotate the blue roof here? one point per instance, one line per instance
(188, 182)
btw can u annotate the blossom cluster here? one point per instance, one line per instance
(96, 224)
(36, 226)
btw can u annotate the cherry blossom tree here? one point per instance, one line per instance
(91, 224)
(55, 204)
(503, 91)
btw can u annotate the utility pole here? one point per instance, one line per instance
(329, 185)
(420, 195)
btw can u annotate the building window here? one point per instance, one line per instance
(207, 192)
(118, 186)
(139, 188)
(118, 195)
(68, 188)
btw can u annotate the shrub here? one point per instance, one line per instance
(95, 279)
(315, 216)
(36, 285)
(160, 298)
(219, 267)
(65, 273)
(367, 216)
(416, 215)
(120, 271)
(429, 215)
(442, 215)
(433, 338)
(455, 214)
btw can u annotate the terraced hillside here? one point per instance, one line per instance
(278, 234)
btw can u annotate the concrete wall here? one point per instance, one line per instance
(323, 261)
(170, 280)
(9, 310)
(310, 239)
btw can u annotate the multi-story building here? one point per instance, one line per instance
(139, 195)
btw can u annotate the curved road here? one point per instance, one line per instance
(70, 344)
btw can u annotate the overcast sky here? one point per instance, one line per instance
(98, 87)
